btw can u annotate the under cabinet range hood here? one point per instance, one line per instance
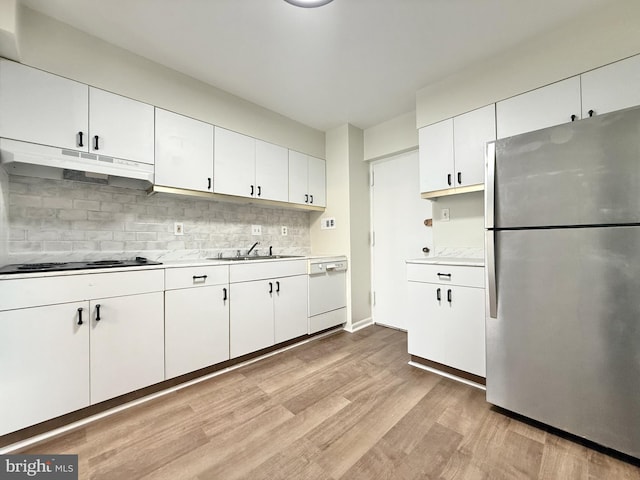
(23, 158)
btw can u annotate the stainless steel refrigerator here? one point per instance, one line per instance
(563, 260)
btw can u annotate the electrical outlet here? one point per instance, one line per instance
(284, 231)
(178, 228)
(256, 229)
(444, 215)
(327, 223)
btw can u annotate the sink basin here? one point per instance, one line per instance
(256, 257)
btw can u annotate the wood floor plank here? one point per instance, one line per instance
(346, 406)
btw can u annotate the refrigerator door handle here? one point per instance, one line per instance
(489, 187)
(491, 272)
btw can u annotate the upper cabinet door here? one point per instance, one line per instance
(272, 172)
(120, 127)
(540, 108)
(298, 177)
(184, 152)
(234, 163)
(39, 107)
(472, 131)
(611, 88)
(317, 182)
(436, 156)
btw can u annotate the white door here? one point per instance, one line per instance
(290, 307)
(272, 172)
(234, 169)
(127, 344)
(427, 316)
(317, 182)
(471, 132)
(251, 316)
(44, 355)
(298, 177)
(184, 152)
(39, 107)
(398, 215)
(464, 330)
(436, 156)
(124, 127)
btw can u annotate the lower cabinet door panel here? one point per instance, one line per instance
(196, 329)
(127, 344)
(290, 308)
(465, 331)
(251, 316)
(427, 320)
(44, 367)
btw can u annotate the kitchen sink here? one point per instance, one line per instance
(256, 257)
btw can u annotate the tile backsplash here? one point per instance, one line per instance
(62, 219)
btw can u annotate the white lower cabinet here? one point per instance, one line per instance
(290, 308)
(196, 318)
(446, 316)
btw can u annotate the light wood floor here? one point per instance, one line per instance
(344, 407)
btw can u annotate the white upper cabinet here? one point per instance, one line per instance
(184, 152)
(452, 151)
(233, 163)
(272, 172)
(307, 179)
(120, 127)
(544, 107)
(39, 107)
(612, 87)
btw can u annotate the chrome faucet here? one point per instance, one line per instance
(252, 247)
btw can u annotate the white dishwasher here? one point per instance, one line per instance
(327, 293)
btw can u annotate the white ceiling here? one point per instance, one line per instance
(351, 61)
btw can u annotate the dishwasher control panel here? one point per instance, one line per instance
(324, 267)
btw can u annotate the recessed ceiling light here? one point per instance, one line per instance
(308, 3)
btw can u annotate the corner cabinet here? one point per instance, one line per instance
(247, 167)
(446, 325)
(452, 153)
(184, 152)
(307, 179)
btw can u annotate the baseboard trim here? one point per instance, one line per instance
(359, 325)
(451, 376)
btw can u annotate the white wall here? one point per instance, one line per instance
(9, 12)
(588, 42)
(465, 229)
(392, 137)
(58, 48)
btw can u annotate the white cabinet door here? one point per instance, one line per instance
(316, 182)
(290, 307)
(544, 107)
(39, 107)
(251, 319)
(44, 363)
(465, 330)
(184, 152)
(471, 132)
(127, 344)
(427, 321)
(298, 177)
(612, 87)
(272, 172)
(120, 127)
(196, 328)
(234, 163)
(436, 156)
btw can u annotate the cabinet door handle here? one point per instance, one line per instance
(459, 177)
(449, 179)
(80, 144)
(448, 275)
(95, 142)
(208, 183)
(449, 295)
(573, 118)
(439, 294)
(199, 277)
(591, 113)
(306, 198)
(80, 322)
(270, 287)
(98, 313)
(311, 197)
(224, 295)
(252, 190)
(277, 287)
(259, 190)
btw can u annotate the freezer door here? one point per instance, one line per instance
(581, 173)
(564, 348)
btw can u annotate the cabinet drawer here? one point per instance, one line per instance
(31, 292)
(466, 276)
(246, 272)
(187, 277)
